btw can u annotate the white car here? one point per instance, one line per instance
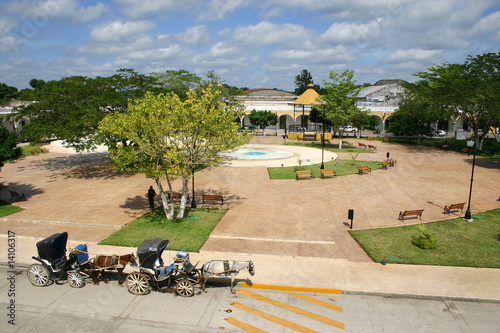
(440, 133)
(348, 129)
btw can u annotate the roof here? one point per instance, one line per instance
(369, 90)
(309, 97)
(266, 92)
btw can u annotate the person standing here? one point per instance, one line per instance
(151, 197)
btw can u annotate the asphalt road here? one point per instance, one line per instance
(111, 308)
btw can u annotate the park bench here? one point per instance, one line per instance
(385, 165)
(325, 141)
(330, 173)
(387, 138)
(301, 139)
(372, 147)
(391, 162)
(456, 207)
(416, 213)
(364, 169)
(361, 144)
(303, 175)
(259, 132)
(370, 138)
(15, 195)
(271, 133)
(177, 196)
(346, 144)
(35, 152)
(212, 197)
(465, 150)
(310, 137)
(44, 150)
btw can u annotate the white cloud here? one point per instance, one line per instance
(146, 8)
(417, 55)
(487, 24)
(43, 10)
(351, 33)
(117, 32)
(268, 34)
(197, 35)
(6, 26)
(218, 9)
(8, 44)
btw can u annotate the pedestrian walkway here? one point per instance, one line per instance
(297, 229)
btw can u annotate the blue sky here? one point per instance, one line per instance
(247, 43)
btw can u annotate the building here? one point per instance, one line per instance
(381, 100)
(7, 113)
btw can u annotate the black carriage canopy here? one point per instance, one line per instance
(149, 250)
(53, 248)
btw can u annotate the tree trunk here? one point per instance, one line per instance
(168, 208)
(340, 143)
(182, 206)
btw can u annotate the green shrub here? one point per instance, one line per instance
(425, 240)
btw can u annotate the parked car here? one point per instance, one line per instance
(249, 128)
(440, 133)
(348, 129)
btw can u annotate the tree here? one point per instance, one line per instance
(180, 81)
(168, 137)
(302, 81)
(263, 118)
(7, 93)
(8, 145)
(470, 91)
(341, 109)
(71, 108)
(415, 114)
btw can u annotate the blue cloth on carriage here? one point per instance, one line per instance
(82, 253)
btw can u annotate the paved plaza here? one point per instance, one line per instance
(290, 228)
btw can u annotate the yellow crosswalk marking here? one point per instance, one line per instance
(287, 307)
(316, 301)
(291, 288)
(274, 319)
(244, 326)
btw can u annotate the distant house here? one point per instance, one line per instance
(381, 100)
(7, 113)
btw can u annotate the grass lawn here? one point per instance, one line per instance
(188, 234)
(342, 168)
(459, 243)
(7, 209)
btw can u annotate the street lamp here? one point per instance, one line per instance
(470, 144)
(323, 138)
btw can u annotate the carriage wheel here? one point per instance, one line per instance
(75, 280)
(38, 275)
(137, 283)
(185, 288)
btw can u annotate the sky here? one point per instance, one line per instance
(248, 43)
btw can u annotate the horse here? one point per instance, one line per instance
(114, 262)
(224, 267)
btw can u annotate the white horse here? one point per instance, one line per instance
(224, 267)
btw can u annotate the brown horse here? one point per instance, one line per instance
(110, 263)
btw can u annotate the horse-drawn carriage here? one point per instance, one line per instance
(53, 264)
(56, 267)
(150, 276)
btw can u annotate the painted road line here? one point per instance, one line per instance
(290, 288)
(316, 301)
(244, 326)
(274, 319)
(290, 308)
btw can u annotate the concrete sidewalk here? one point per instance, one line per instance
(296, 232)
(436, 282)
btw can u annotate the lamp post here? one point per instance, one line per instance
(470, 144)
(323, 138)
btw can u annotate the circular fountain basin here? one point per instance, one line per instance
(257, 154)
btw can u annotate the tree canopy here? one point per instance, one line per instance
(263, 118)
(302, 81)
(469, 91)
(340, 97)
(7, 93)
(167, 136)
(8, 143)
